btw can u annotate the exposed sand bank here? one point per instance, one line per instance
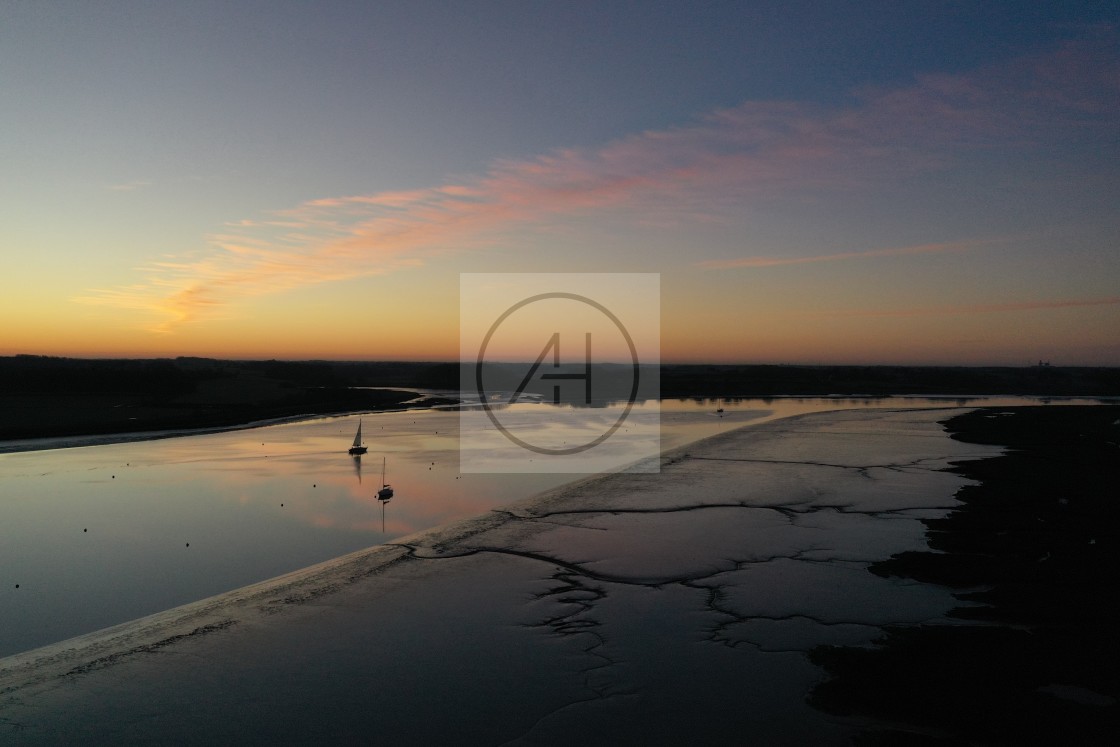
(651, 608)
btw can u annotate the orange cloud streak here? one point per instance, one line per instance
(687, 172)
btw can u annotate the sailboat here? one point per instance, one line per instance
(719, 407)
(386, 491)
(357, 448)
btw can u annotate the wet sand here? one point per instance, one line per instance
(659, 608)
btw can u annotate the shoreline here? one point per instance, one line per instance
(435, 401)
(1031, 557)
(48, 443)
(542, 577)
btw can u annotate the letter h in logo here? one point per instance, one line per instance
(553, 344)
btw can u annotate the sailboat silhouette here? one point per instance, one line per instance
(357, 448)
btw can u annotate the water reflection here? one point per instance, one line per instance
(99, 535)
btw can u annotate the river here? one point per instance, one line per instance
(98, 535)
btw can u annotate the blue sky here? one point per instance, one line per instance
(830, 182)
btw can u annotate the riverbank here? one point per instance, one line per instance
(408, 401)
(655, 608)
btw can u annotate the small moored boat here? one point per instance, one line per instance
(386, 491)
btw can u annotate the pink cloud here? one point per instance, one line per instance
(719, 161)
(990, 308)
(899, 251)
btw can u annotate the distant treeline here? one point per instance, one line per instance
(33, 374)
(25, 374)
(735, 380)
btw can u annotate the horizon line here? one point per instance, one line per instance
(436, 362)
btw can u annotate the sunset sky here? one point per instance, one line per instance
(816, 182)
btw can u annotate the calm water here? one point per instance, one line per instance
(99, 535)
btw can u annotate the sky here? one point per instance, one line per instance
(828, 183)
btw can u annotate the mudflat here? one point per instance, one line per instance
(1033, 557)
(642, 607)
